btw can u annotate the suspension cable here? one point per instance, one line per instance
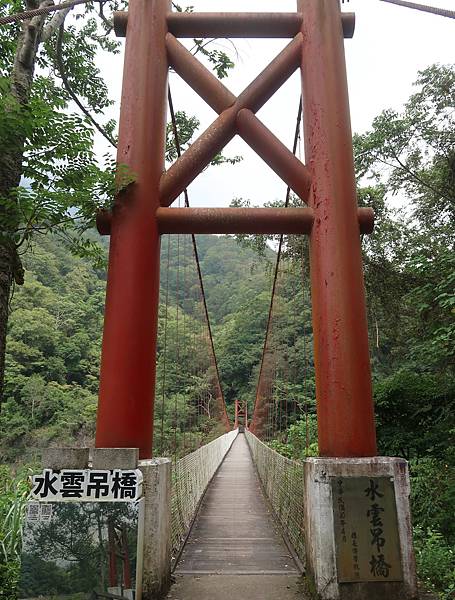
(442, 12)
(277, 264)
(163, 375)
(294, 345)
(185, 346)
(177, 355)
(28, 14)
(196, 256)
(305, 354)
(36, 12)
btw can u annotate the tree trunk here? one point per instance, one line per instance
(11, 159)
(5, 288)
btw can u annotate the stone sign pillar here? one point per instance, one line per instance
(103, 513)
(358, 529)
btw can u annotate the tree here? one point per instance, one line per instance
(49, 175)
(410, 276)
(53, 103)
(410, 256)
(54, 340)
(52, 357)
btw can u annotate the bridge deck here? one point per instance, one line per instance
(234, 535)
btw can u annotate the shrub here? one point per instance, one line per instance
(435, 560)
(14, 492)
(433, 496)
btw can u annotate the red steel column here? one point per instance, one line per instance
(343, 378)
(128, 361)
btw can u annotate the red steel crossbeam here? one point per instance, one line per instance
(235, 220)
(128, 365)
(289, 221)
(233, 25)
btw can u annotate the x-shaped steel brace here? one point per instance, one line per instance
(236, 116)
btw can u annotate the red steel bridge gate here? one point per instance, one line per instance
(142, 212)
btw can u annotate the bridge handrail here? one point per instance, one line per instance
(190, 478)
(283, 483)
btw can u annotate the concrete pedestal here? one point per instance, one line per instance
(157, 543)
(115, 458)
(320, 529)
(65, 458)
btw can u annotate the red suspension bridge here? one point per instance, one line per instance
(233, 532)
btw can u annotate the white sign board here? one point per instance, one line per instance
(87, 485)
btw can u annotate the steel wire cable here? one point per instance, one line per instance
(185, 345)
(294, 345)
(286, 393)
(29, 14)
(442, 12)
(305, 299)
(276, 395)
(198, 266)
(177, 356)
(277, 265)
(163, 375)
(305, 354)
(36, 12)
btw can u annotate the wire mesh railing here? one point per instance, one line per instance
(190, 478)
(283, 483)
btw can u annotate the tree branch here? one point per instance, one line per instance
(56, 21)
(416, 177)
(67, 85)
(108, 24)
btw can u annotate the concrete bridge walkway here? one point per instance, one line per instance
(234, 550)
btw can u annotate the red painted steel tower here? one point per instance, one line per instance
(341, 355)
(326, 183)
(128, 360)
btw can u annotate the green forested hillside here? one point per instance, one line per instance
(56, 324)
(53, 353)
(55, 334)
(53, 362)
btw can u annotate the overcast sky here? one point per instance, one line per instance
(391, 44)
